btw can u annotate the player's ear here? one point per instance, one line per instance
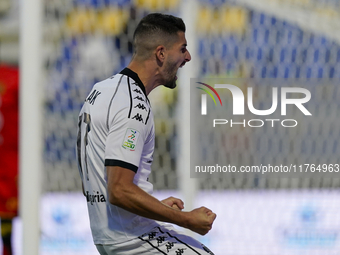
(160, 54)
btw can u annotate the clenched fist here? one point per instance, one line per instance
(201, 220)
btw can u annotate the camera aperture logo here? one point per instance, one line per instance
(238, 105)
(204, 97)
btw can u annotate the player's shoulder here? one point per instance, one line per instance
(109, 89)
(100, 93)
(108, 83)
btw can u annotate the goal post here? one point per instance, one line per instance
(30, 161)
(187, 185)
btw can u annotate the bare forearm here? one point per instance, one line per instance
(125, 194)
(136, 200)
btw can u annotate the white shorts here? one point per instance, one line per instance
(160, 240)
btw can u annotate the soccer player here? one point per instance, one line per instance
(115, 146)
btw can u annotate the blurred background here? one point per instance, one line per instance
(85, 41)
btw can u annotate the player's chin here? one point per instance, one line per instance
(171, 85)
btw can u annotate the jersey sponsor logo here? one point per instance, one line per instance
(130, 139)
(95, 198)
(141, 106)
(139, 98)
(138, 117)
(92, 97)
(152, 235)
(180, 251)
(137, 91)
(160, 239)
(169, 246)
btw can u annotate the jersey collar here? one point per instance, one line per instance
(128, 72)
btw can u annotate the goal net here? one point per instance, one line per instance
(86, 41)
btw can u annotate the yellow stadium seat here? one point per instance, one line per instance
(81, 21)
(157, 5)
(224, 19)
(205, 19)
(233, 19)
(112, 21)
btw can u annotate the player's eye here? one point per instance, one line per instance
(184, 50)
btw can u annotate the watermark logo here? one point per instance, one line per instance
(204, 97)
(239, 101)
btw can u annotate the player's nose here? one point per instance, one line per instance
(188, 56)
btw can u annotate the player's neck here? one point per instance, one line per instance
(148, 73)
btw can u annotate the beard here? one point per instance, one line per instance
(170, 75)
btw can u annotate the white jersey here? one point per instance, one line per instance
(116, 128)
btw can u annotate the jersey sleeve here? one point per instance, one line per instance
(128, 132)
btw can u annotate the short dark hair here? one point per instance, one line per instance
(156, 29)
